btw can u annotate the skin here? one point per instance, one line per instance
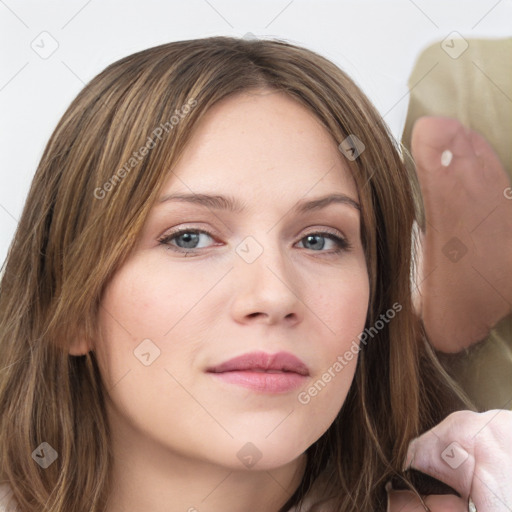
(462, 298)
(472, 453)
(176, 429)
(460, 301)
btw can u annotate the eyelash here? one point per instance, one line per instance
(343, 245)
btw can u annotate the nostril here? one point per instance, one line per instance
(254, 314)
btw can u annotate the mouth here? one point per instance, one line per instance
(268, 373)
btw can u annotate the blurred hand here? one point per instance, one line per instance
(471, 452)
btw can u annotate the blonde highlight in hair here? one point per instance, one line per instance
(70, 242)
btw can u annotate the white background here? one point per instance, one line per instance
(376, 42)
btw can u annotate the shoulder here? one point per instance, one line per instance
(6, 502)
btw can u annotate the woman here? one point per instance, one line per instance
(206, 305)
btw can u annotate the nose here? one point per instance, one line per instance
(266, 290)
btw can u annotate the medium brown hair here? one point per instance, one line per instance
(83, 216)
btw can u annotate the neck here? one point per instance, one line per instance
(148, 476)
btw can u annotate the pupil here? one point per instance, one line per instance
(314, 240)
(189, 240)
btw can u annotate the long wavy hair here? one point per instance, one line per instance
(88, 201)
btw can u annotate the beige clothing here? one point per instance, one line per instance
(474, 87)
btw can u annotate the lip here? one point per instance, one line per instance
(269, 373)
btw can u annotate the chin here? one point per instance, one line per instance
(252, 454)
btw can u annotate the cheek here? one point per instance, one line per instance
(143, 301)
(342, 304)
(343, 309)
(150, 299)
(133, 310)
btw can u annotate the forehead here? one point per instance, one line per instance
(261, 142)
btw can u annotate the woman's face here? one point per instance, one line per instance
(264, 264)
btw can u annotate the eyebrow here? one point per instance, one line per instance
(231, 204)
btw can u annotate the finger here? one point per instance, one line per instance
(404, 501)
(446, 503)
(470, 452)
(407, 501)
(446, 452)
